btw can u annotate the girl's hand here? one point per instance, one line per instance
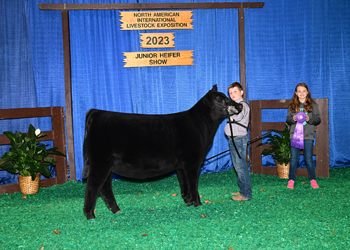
(294, 119)
(307, 118)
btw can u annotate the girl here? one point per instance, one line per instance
(302, 102)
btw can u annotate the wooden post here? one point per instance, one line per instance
(322, 140)
(68, 93)
(242, 50)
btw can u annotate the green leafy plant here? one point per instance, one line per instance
(26, 155)
(279, 145)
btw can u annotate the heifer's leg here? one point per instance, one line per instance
(192, 175)
(93, 187)
(91, 195)
(184, 186)
(108, 196)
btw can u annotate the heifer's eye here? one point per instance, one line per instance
(219, 99)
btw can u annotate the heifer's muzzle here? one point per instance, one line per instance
(234, 108)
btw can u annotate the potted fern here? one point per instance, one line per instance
(279, 143)
(28, 158)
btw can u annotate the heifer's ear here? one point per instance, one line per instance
(215, 88)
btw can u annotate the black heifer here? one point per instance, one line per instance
(143, 146)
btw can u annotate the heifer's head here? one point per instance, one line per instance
(221, 104)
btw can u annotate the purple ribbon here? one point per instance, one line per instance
(298, 136)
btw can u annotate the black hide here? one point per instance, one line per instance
(143, 146)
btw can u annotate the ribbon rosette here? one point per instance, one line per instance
(298, 136)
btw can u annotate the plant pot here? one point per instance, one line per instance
(282, 170)
(27, 185)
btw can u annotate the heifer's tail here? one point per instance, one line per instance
(86, 169)
(88, 121)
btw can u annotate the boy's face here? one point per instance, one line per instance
(235, 93)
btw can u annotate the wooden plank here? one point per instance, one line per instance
(68, 92)
(268, 170)
(274, 104)
(265, 126)
(24, 113)
(322, 140)
(58, 130)
(153, 20)
(148, 6)
(241, 35)
(157, 40)
(255, 131)
(158, 58)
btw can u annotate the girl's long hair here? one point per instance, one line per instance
(295, 104)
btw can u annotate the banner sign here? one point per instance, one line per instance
(157, 40)
(158, 58)
(155, 20)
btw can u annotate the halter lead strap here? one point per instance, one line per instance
(229, 121)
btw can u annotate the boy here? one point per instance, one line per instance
(239, 123)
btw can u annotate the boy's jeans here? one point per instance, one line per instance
(240, 165)
(294, 161)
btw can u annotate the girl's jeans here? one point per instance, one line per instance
(294, 161)
(240, 165)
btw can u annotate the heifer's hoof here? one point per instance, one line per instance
(189, 203)
(90, 217)
(197, 203)
(115, 210)
(187, 200)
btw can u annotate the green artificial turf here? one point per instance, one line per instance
(153, 217)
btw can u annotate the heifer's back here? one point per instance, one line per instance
(143, 146)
